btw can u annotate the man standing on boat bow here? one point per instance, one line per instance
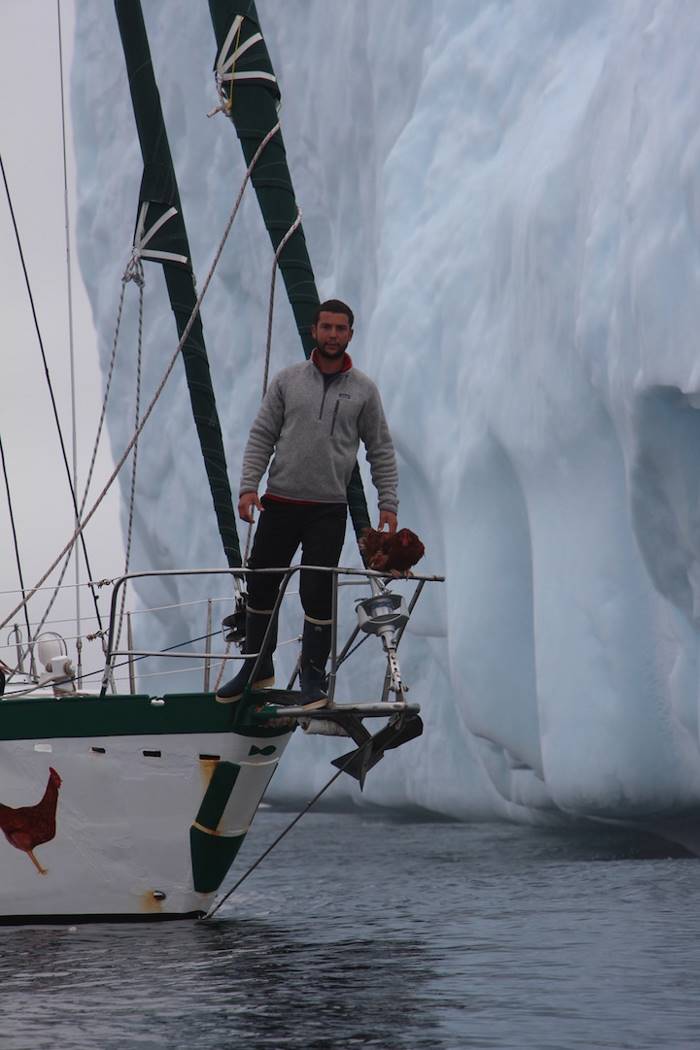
(313, 417)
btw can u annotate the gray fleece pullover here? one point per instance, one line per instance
(314, 429)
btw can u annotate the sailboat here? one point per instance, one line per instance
(128, 806)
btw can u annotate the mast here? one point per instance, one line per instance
(250, 96)
(159, 202)
(71, 341)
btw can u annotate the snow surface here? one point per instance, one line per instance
(509, 195)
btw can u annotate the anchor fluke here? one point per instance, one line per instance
(359, 762)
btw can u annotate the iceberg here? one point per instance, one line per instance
(509, 196)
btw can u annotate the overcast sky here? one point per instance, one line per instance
(30, 141)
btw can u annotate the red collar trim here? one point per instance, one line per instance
(345, 367)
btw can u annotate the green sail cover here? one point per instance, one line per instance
(168, 245)
(254, 96)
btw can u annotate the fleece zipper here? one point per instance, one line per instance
(335, 414)
(323, 401)
(290, 428)
(327, 383)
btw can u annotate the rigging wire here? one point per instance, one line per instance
(138, 278)
(166, 375)
(69, 289)
(268, 345)
(129, 275)
(213, 910)
(14, 535)
(65, 587)
(53, 404)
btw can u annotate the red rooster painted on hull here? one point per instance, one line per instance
(26, 827)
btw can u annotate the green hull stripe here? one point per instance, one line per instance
(217, 795)
(94, 716)
(212, 856)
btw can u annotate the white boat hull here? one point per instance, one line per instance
(146, 823)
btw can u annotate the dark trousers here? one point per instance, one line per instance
(320, 529)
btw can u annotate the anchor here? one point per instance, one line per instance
(384, 614)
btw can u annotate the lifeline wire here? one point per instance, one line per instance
(124, 663)
(146, 416)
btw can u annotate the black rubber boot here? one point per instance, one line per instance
(315, 647)
(256, 625)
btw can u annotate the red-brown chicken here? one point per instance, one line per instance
(393, 554)
(26, 827)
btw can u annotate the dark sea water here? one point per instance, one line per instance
(368, 932)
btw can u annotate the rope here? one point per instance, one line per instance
(108, 387)
(146, 416)
(213, 910)
(133, 272)
(275, 265)
(128, 275)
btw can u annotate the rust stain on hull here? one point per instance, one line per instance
(206, 769)
(149, 903)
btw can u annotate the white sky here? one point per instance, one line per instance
(30, 141)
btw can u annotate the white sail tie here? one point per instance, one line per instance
(230, 37)
(226, 64)
(142, 236)
(230, 62)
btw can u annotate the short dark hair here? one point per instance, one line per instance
(334, 306)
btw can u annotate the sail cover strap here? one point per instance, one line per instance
(142, 236)
(227, 59)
